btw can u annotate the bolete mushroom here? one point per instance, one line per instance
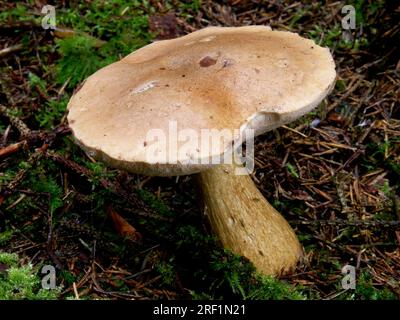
(212, 79)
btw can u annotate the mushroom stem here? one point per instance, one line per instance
(246, 223)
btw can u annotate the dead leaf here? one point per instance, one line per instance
(123, 227)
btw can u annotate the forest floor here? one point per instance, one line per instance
(333, 174)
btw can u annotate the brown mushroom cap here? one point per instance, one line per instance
(215, 78)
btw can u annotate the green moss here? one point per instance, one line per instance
(292, 170)
(340, 85)
(99, 171)
(21, 282)
(49, 185)
(68, 277)
(188, 7)
(365, 289)
(270, 288)
(105, 32)
(154, 203)
(10, 259)
(34, 81)
(236, 273)
(333, 37)
(5, 237)
(18, 13)
(79, 59)
(167, 272)
(51, 112)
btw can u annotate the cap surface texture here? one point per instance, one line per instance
(215, 78)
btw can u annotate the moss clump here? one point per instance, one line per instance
(21, 282)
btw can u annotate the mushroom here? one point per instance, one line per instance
(137, 114)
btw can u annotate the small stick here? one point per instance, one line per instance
(6, 51)
(6, 151)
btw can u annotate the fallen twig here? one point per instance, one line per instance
(6, 151)
(6, 51)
